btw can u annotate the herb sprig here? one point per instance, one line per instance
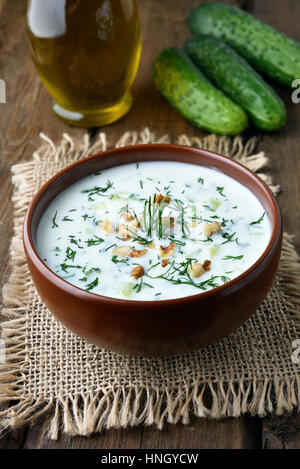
(138, 286)
(70, 254)
(94, 241)
(97, 190)
(234, 258)
(178, 274)
(92, 285)
(220, 190)
(54, 224)
(259, 220)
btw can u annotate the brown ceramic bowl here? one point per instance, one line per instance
(154, 327)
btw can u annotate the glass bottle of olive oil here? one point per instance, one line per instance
(87, 54)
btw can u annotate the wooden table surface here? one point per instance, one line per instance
(27, 112)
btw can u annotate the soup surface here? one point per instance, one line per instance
(153, 231)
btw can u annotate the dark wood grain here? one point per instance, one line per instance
(281, 432)
(282, 148)
(201, 434)
(27, 113)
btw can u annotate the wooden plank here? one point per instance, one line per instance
(13, 439)
(281, 432)
(206, 434)
(200, 434)
(120, 439)
(26, 113)
(283, 151)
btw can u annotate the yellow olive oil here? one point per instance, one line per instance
(87, 54)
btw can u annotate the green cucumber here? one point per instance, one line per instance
(194, 96)
(232, 74)
(265, 48)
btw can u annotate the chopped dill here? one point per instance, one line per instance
(259, 220)
(178, 274)
(141, 240)
(220, 190)
(232, 258)
(73, 240)
(70, 254)
(115, 260)
(138, 286)
(228, 237)
(109, 247)
(86, 216)
(92, 285)
(224, 222)
(54, 224)
(178, 242)
(97, 190)
(94, 241)
(207, 240)
(64, 267)
(91, 270)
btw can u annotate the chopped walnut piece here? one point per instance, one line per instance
(168, 250)
(151, 245)
(106, 226)
(125, 231)
(137, 272)
(165, 262)
(199, 269)
(127, 216)
(211, 228)
(121, 251)
(162, 198)
(137, 253)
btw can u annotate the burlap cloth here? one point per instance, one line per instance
(82, 389)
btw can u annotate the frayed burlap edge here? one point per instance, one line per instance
(84, 414)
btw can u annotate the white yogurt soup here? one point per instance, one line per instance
(153, 231)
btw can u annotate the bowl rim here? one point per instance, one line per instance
(61, 283)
